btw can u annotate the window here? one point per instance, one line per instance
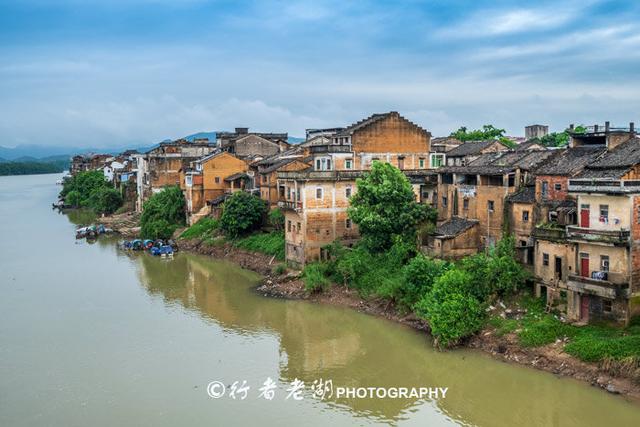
(490, 205)
(299, 227)
(347, 192)
(198, 166)
(525, 216)
(421, 162)
(437, 160)
(400, 162)
(607, 305)
(545, 189)
(289, 226)
(604, 213)
(465, 204)
(298, 194)
(557, 187)
(319, 193)
(545, 259)
(348, 164)
(188, 180)
(347, 223)
(217, 180)
(264, 179)
(318, 164)
(444, 201)
(604, 263)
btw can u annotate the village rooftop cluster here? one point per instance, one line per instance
(574, 211)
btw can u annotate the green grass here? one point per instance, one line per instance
(593, 343)
(267, 243)
(202, 229)
(315, 277)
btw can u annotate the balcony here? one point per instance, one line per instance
(616, 285)
(614, 237)
(550, 233)
(331, 175)
(290, 205)
(331, 148)
(607, 186)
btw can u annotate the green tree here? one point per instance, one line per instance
(242, 212)
(487, 132)
(162, 214)
(419, 276)
(384, 207)
(452, 313)
(276, 219)
(105, 200)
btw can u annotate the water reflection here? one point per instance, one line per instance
(362, 351)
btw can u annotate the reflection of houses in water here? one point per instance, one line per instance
(358, 350)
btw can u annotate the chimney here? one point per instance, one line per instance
(606, 127)
(632, 127)
(595, 128)
(571, 127)
(242, 131)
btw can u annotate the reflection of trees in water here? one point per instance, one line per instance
(80, 216)
(357, 350)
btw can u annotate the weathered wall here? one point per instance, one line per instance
(255, 145)
(619, 209)
(552, 193)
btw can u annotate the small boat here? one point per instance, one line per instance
(164, 251)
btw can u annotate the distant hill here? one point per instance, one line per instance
(295, 140)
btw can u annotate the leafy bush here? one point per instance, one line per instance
(73, 198)
(242, 213)
(384, 207)
(452, 313)
(105, 200)
(90, 189)
(276, 219)
(162, 214)
(267, 243)
(419, 275)
(315, 279)
(201, 229)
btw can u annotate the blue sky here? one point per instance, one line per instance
(100, 73)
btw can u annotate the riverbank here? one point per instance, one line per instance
(493, 340)
(550, 358)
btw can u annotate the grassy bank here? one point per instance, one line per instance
(208, 230)
(592, 343)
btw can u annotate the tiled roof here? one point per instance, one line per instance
(454, 227)
(570, 161)
(614, 163)
(471, 148)
(526, 195)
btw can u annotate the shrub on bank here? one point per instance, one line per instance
(315, 277)
(276, 219)
(242, 213)
(162, 214)
(90, 189)
(452, 312)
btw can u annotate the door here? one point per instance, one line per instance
(584, 216)
(584, 307)
(400, 163)
(584, 265)
(558, 268)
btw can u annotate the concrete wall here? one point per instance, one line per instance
(619, 209)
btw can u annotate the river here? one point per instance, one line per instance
(90, 335)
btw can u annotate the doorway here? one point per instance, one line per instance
(584, 308)
(584, 264)
(584, 216)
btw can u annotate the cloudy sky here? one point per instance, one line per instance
(113, 72)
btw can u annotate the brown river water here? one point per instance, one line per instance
(90, 335)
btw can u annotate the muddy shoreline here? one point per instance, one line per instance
(549, 358)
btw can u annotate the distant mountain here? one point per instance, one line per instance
(209, 135)
(295, 140)
(2, 160)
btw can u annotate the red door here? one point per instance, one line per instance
(584, 307)
(584, 216)
(584, 265)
